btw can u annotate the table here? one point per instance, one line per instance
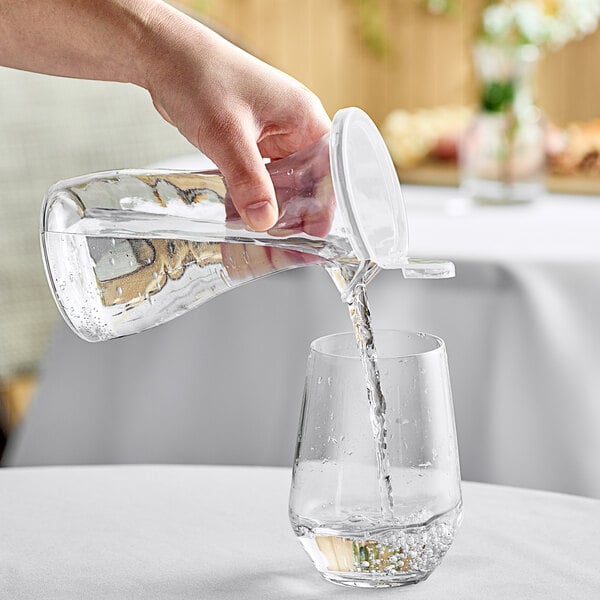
(522, 325)
(222, 533)
(223, 383)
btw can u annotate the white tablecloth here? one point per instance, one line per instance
(223, 384)
(223, 533)
(523, 330)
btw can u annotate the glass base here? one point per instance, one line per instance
(375, 580)
(493, 192)
(364, 553)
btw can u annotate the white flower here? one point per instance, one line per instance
(531, 21)
(497, 20)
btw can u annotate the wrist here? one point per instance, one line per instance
(162, 34)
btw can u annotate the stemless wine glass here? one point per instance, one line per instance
(367, 521)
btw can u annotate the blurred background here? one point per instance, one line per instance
(408, 63)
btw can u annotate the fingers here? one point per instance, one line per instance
(317, 221)
(245, 261)
(304, 121)
(232, 146)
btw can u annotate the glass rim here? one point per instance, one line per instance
(438, 344)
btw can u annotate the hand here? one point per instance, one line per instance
(304, 191)
(233, 107)
(245, 262)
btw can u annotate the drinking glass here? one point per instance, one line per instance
(365, 519)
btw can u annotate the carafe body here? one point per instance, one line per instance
(127, 250)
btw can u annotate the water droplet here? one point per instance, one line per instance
(320, 380)
(131, 263)
(290, 171)
(154, 275)
(119, 291)
(113, 242)
(111, 260)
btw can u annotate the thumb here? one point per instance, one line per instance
(247, 180)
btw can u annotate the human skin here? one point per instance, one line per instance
(229, 104)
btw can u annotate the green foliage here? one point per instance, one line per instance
(438, 7)
(201, 6)
(497, 96)
(371, 27)
(371, 20)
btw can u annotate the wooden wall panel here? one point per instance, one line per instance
(429, 62)
(569, 81)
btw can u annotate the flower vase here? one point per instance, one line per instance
(502, 153)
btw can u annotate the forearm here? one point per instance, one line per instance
(229, 104)
(91, 39)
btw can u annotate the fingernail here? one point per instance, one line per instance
(261, 215)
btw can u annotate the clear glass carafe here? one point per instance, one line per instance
(127, 250)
